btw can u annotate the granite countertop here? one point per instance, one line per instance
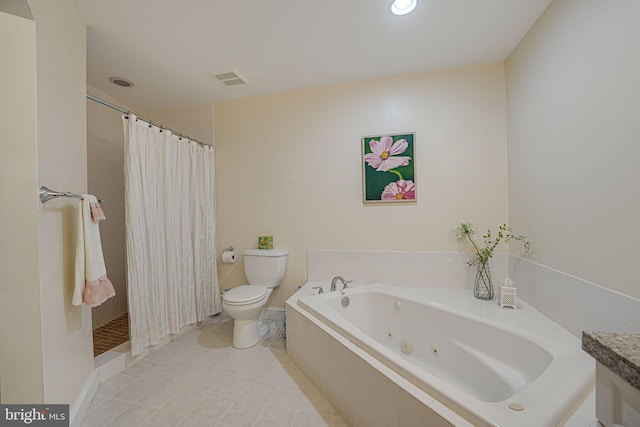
(618, 352)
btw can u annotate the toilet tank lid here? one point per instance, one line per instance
(265, 252)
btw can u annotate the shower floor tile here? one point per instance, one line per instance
(111, 334)
(206, 382)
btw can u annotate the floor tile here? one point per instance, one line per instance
(105, 412)
(213, 407)
(200, 380)
(133, 416)
(162, 418)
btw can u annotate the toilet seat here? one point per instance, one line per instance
(244, 294)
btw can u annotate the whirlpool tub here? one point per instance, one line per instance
(468, 361)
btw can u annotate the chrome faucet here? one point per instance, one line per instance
(335, 280)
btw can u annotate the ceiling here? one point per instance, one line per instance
(171, 48)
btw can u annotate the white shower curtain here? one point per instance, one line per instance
(172, 279)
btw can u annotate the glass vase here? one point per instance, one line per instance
(483, 285)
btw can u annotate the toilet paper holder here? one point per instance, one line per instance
(228, 255)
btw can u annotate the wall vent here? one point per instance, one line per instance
(231, 78)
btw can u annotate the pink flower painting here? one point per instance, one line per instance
(388, 168)
(399, 190)
(384, 152)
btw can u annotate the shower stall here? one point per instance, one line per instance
(105, 171)
(153, 166)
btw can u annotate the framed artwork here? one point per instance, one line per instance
(388, 168)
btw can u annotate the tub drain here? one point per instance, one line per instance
(516, 406)
(435, 351)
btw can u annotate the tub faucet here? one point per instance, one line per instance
(336, 279)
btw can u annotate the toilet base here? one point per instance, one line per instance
(246, 333)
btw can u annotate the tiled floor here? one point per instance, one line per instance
(111, 334)
(200, 380)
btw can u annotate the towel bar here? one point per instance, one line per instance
(47, 194)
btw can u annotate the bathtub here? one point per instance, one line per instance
(486, 365)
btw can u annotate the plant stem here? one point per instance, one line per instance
(475, 246)
(396, 172)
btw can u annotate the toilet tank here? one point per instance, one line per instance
(265, 267)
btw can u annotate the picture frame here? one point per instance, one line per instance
(388, 168)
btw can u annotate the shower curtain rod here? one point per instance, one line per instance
(122, 110)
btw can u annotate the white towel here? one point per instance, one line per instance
(92, 286)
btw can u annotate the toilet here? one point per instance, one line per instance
(264, 269)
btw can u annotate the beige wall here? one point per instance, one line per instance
(62, 165)
(195, 122)
(47, 354)
(105, 163)
(573, 130)
(289, 165)
(21, 369)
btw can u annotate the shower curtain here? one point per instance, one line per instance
(172, 278)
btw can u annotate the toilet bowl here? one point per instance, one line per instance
(245, 314)
(245, 303)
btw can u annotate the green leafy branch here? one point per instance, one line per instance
(483, 254)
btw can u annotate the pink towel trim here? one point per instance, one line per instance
(97, 292)
(97, 213)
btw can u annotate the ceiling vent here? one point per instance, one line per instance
(231, 78)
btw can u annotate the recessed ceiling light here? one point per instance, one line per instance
(402, 7)
(121, 81)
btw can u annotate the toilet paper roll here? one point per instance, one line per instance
(228, 257)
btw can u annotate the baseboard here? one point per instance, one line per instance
(79, 409)
(106, 365)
